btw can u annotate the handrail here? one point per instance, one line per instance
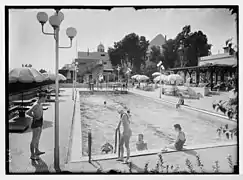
(119, 137)
(89, 145)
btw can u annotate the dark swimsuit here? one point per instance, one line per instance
(37, 123)
(179, 144)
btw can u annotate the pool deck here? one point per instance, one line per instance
(204, 104)
(208, 157)
(19, 142)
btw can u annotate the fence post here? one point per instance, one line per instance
(89, 145)
(119, 137)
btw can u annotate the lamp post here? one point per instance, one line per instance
(55, 21)
(118, 69)
(161, 67)
(74, 64)
(128, 75)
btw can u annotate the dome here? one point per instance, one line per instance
(101, 48)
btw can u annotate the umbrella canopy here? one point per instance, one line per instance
(175, 78)
(163, 78)
(135, 76)
(25, 75)
(156, 74)
(142, 78)
(52, 77)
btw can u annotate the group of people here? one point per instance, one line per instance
(36, 112)
(141, 145)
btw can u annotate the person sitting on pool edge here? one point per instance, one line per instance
(180, 101)
(180, 141)
(141, 145)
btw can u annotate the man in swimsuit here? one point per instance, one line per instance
(126, 135)
(36, 112)
(180, 141)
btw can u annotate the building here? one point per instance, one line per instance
(92, 65)
(214, 68)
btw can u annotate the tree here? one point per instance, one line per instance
(155, 55)
(131, 49)
(193, 45)
(169, 54)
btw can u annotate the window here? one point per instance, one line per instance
(102, 54)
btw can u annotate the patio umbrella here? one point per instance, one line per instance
(52, 77)
(163, 78)
(142, 78)
(156, 74)
(25, 75)
(175, 78)
(135, 76)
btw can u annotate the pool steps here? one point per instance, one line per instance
(156, 151)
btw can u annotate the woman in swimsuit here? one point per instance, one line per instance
(126, 135)
(180, 141)
(36, 112)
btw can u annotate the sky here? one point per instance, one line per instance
(27, 44)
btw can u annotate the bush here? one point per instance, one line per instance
(161, 167)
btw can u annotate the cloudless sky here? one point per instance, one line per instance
(27, 44)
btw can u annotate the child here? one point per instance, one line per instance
(141, 145)
(180, 101)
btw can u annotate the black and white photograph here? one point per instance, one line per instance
(122, 89)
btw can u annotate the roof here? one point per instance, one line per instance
(93, 55)
(219, 59)
(159, 40)
(216, 56)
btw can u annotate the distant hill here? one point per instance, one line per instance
(159, 40)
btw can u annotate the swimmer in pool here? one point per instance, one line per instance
(180, 141)
(141, 145)
(126, 135)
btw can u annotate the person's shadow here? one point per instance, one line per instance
(40, 166)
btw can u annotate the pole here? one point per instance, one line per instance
(73, 87)
(160, 83)
(89, 145)
(56, 148)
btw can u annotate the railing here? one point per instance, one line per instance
(117, 132)
(117, 144)
(89, 145)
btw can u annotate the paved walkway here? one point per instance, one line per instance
(204, 103)
(207, 156)
(19, 142)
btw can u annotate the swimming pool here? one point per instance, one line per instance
(153, 119)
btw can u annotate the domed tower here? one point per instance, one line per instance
(101, 48)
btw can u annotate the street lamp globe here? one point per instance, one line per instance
(61, 16)
(71, 32)
(54, 21)
(42, 17)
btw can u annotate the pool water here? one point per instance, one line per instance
(153, 119)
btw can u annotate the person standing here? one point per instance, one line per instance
(36, 112)
(126, 135)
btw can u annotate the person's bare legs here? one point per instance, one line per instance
(127, 139)
(121, 149)
(37, 151)
(33, 143)
(171, 146)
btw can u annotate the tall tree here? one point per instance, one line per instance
(131, 49)
(191, 46)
